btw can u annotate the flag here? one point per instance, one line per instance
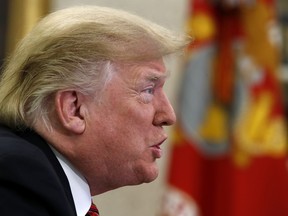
(229, 152)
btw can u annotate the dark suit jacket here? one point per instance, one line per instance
(32, 181)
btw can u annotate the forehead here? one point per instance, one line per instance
(149, 70)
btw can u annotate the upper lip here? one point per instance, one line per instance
(161, 142)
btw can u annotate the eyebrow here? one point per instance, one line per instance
(155, 76)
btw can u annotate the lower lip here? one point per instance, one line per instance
(157, 151)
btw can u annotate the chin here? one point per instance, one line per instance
(151, 175)
(151, 179)
(146, 179)
(144, 175)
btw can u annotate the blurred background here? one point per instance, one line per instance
(227, 155)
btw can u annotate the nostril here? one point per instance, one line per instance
(165, 124)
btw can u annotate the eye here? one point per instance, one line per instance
(147, 94)
(149, 90)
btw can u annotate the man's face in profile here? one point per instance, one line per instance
(125, 129)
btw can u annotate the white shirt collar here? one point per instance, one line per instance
(79, 187)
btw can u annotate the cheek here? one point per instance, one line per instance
(127, 134)
(138, 114)
(124, 125)
(136, 129)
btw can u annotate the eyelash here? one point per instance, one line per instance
(147, 94)
(149, 90)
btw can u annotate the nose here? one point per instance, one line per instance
(164, 114)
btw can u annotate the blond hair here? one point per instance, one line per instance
(74, 49)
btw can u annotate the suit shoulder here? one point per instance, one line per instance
(12, 145)
(19, 156)
(28, 177)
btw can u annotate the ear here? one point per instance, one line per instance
(69, 107)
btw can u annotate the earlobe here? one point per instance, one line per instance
(68, 107)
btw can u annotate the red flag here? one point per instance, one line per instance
(229, 154)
